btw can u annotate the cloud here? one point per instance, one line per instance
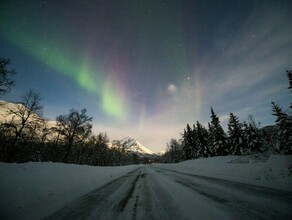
(252, 61)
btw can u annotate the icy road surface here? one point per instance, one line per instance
(155, 193)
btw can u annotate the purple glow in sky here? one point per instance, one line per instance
(146, 68)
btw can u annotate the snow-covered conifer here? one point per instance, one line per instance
(218, 137)
(253, 138)
(187, 142)
(284, 127)
(289, 75)
(202, 141)
(236, 141)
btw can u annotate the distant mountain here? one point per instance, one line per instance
(131, 145)
(12, 113)
(8, 110)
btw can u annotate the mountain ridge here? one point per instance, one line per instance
(131, 145)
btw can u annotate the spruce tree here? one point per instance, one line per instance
(187, 143)
(183, 135)
(236, 141)
(284, 127)
(194, 142)
(202, 141)
(218, 137)
(253, 138)
(289, 75)
(210, 139)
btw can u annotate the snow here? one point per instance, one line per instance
(273, 171)
(47, 187)
(135, 146)
(5, 109)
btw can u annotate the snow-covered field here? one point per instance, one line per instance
(273, 171)
(34, 190)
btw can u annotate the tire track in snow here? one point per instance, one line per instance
(100, 203)
(248, 201)
(203, 192)
(284, 196)
(122, 204)
(137, 199)
(154, 201)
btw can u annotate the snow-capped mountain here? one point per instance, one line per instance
(131, 145)
(12, 111)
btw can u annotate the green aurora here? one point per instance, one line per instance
(80, 70)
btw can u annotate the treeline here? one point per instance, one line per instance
(242, 138)
(26, 136)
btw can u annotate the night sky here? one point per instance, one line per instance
(146, 68)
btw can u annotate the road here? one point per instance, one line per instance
(151, 192)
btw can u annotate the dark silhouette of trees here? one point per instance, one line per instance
(70, 140)
(202, 141)
(5, 76)
(75, 128)
(284, 127)
(25, 118)
(253, 138)
(188, 143)
(235, 132)
(217, 136)
(175, 151)
(289, 75)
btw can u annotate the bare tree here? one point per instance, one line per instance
(27, 115)
(5, 81)
(75, 127)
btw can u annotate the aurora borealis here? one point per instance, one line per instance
(146, 68)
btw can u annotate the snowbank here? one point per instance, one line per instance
(34, 190)
(271, 171)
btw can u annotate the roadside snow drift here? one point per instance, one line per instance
(34, 190)
(273, 171)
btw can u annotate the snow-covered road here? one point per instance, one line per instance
(151, 192)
